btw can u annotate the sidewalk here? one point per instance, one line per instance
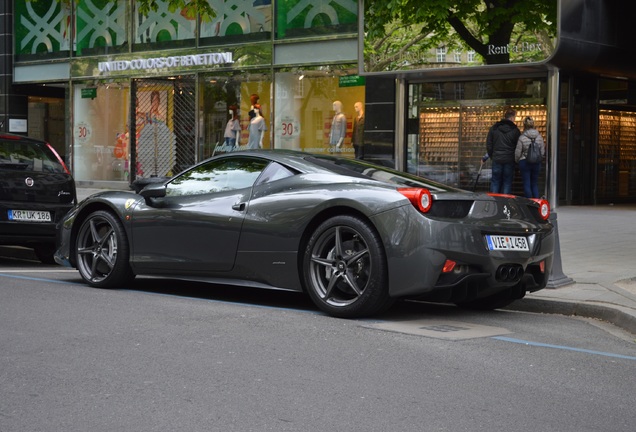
(598, 265)
(598, 256)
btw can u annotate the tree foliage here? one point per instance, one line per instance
(191, 7)
(478, 24)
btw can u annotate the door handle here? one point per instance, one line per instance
(239, 206)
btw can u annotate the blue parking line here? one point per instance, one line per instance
(227, 302)
(561, 347)
(31, 278)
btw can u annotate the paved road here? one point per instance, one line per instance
(167, 355)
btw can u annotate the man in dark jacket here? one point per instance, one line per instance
(500, 146)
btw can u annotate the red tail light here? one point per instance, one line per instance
(59, 159)
(421, 198)
(544, 208)
(449, 265)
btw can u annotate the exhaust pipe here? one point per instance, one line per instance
(509, 273)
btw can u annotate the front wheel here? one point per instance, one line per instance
(344, 268)
(102, 251)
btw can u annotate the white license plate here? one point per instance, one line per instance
(29, 216)
(501, 242)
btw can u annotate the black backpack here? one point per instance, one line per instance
(534, 152)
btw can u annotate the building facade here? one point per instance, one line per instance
(125, 95)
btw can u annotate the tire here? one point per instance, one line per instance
(103, 251)
(344, 268)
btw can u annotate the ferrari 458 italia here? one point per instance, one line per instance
(352, 235)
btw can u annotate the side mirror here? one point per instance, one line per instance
(141, 183)
(157, 190)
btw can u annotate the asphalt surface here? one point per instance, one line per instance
(595, 266)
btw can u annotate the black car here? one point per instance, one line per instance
(36, 191)
(353, 235)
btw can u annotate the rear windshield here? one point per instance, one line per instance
(357, 168)
(28, 156)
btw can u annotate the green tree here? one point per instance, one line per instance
(191, 7)
(484, 26)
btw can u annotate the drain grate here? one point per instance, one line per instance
(444, 328)
(440, 329)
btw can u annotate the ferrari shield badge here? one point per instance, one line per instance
(506, 211)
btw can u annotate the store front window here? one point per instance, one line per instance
(447, 134)
(616, 160)
(315, 110)
(101, 150)
(235, 112)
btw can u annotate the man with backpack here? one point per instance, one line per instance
(529, 154)
(500, 146)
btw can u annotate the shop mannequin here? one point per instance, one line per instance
(232, 129)
(257, 129)
(338, 126)
(357, 138)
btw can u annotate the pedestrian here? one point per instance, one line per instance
(501, 143)
(529, 154)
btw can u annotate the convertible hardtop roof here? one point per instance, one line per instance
(315, 163)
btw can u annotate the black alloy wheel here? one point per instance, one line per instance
(102, 251)
(345, 270)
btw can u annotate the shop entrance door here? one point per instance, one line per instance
(164, 132)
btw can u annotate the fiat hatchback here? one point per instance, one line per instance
(36, 191)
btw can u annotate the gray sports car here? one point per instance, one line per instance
(352, 235)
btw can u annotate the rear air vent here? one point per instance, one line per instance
(453, 209)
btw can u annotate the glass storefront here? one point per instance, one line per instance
(311, 104)
(150, 94)
(101, 149)
(226, 99)
(616, 166)
(449, 123)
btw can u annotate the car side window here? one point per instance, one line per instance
(218, 175)
(273, 172)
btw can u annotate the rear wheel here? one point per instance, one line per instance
(345, 270)
(102, 251)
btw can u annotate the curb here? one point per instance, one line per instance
(613, 315)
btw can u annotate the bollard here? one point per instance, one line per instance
(557, 278)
